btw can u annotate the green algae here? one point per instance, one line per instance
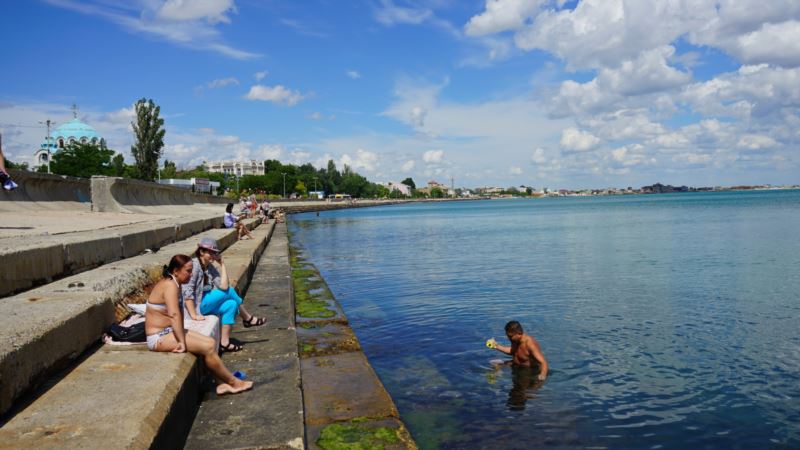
(356, 437)
(310, 293)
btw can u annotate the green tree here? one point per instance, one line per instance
(409, 182)
(300, 189)
(82, 160)
(149, 133)
(170, 170)
(118, 165)
(437, 193)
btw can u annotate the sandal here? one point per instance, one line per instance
(254, 321)
(231, 348)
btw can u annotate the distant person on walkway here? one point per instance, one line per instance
(165, 331)
(524, 349)
(208, 291)
(5, 178)
(231, 220)
(265, 210)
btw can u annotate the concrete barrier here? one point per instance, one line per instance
(111, 194)
(123, 397)
(40, 191)
(46, 327)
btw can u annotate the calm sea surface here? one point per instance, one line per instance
(669, 321)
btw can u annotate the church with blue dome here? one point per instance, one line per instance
(72, 132)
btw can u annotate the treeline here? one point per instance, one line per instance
(290, 179)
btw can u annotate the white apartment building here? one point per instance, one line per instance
(237, 168)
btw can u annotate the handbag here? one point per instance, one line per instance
(133, 333)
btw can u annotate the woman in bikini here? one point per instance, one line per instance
(165, 331)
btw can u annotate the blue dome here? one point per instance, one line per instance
(75, 129)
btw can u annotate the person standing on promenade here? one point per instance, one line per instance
(524, 349)
(5, 178)
(208, 291)
(230, 220)
(163, 325)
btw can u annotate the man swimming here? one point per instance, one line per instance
(524, 349)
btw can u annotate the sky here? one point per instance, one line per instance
(542, 93)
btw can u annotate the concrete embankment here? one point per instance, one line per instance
(314, 387)
(55, 226)
(345, 401)
(118, 397)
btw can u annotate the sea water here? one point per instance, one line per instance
(668, 321)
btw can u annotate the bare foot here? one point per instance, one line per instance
(237, 387)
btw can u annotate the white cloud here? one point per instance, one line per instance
(756, 142)
(222, 82)
(260, 75)
(433, 156)
(577, 140)
(408, 166)
(275, 94)
(538, 156)
(316, 115)
(501, 15)
(418, 116)
(363, 160)
(353, 74)
(389, 14)
(186, 23)
(212, 11)
(513, 170)
(270, 151)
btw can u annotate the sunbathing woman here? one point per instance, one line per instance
(208, 291)
(165, 331)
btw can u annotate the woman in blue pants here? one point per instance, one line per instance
(208, 291)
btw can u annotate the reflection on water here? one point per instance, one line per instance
(668, 321)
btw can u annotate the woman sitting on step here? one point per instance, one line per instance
(208, 291)
(165, 332)
(231, 220)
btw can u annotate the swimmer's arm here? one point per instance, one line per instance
(175, 314)
(533, 349)
(503, 348)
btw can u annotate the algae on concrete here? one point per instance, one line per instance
(356, 437)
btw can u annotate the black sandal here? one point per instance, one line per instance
(231, 348)
(254, 321)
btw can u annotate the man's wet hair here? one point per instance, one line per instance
(513, 327)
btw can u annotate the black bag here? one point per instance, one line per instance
(134, 333)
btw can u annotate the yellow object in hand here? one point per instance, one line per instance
(491, 343)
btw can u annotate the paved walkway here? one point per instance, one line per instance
(270, 416)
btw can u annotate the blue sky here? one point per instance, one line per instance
(564, 94)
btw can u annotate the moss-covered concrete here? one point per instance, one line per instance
(346, 405)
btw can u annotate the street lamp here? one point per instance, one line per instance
(284, 184)
(315, 184)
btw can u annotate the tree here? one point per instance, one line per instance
(118, 165)
(82, 160)
(437, 193)
(170, 170)
(409, 182)
(300, 189)
(149, 133)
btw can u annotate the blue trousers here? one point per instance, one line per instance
(224, 304)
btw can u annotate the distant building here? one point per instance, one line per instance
(237, 168)
(400, 187)
(72, 132)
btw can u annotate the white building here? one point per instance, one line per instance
(237, 168)
(72, 132)
(402, 188)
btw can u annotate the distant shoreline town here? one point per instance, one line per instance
(528, 191)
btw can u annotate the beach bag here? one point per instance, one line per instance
(133, 333)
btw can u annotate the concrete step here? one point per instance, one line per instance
(125, 397)
(34, 260)
(46, 327)
(271, 417)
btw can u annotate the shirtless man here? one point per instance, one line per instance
(524, 349)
